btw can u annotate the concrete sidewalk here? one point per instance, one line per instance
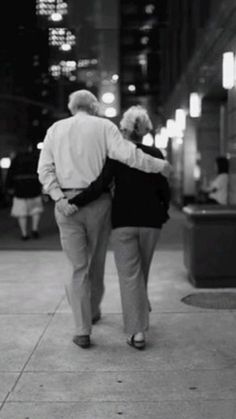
(188, 370)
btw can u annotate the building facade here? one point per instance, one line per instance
(193, 45)
(24, 83)
(141, 26)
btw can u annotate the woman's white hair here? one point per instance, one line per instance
(83, 100)
(136, 119)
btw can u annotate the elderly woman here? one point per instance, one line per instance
(139, 208)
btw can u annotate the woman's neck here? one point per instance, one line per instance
(135, 137)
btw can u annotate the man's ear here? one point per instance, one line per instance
(95, 109)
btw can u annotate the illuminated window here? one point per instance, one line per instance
(56, 17)
(144, 40)
(131, 88)
(55, 70)
(53, 9)
(67, 67)
(161, 139)
(87, 62)
(171, 128)
(147, 27)
(115, 77)
(5, 163)
(195, 105)
(180, 119)
(64, 68)
(62, 38)
(228, 70)
(149, 9)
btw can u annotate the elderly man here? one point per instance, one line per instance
(74, 152)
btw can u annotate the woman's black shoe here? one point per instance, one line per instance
(35, 234)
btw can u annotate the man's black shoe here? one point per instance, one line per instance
(82, 340)
(24, 238)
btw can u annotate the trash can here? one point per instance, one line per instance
(210, 245)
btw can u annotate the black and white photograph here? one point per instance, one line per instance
(118, 209)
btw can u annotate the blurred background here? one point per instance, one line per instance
(174, 57)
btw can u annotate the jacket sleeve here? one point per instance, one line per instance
(96, 188)
(163, 190)
(162, 187)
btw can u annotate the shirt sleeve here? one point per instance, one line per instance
(47, 171)
(96, 188)
(126, 152)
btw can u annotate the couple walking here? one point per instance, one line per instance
(84, 157)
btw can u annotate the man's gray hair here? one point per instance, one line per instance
(83, 100)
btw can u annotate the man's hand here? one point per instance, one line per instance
(65, 208)
(167, 169)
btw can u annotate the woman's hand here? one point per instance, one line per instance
(65, 208)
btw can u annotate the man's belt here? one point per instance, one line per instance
(73, 189)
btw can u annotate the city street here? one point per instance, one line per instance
(186, 372)
(92, 95)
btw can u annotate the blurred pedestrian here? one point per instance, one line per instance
(139, 209)
(217, 191)
(74, 152)
(22, 182)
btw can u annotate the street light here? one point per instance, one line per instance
(5, 162)
(180, 119)
(161, 140)
(110, 112)
(65, 47)
(195, 105)
(132, 88)
(228, 70)
(56, 17)
(148, 139)
(115, 77)
(171, 128)
(108, 97)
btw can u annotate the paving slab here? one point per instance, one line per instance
(18, 338)
(32, 282)
(129, 386)
(212, 409)
(31, 298)
(7, 380)
(33, 266)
